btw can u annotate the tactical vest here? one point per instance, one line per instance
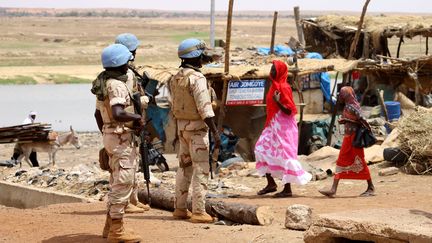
(110, 124)
(183, 103)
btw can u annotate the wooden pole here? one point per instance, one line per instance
(399, 46)
(212, 23)
(382, 104)
(235, 212)
(273, 32)
(414, 75)
(357, 34)
(348, 76)
(227, 62)
(427, 45)
(333, 111)
(298, 25)
(366, 49)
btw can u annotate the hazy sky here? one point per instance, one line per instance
(423, 6)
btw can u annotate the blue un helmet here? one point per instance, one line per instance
(191, 48)
(129, 40)
(115, 55)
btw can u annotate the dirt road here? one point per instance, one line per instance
(83, 222)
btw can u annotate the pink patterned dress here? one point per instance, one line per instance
(276, 151)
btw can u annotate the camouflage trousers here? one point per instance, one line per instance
(193, 169)
(122, 156)
(134, 195)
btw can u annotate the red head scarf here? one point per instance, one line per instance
(347, 96)
(352, 108)
(279, 83)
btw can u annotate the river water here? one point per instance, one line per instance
(61, 105)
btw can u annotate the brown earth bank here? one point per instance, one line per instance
(84, 222)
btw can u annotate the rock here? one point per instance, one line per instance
(237, 165)
(372, 225)
(374, 154)
(298, 217)
(243, 173)
(321, 175)
(253, 173)
(20, 172)
(388, 171)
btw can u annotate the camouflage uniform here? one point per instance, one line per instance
(194, 142)
(119, 144)
(133, 85)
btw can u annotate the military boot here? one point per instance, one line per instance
(143, 206)
(201, 218)
(182, 213)
(118, 234)
(130, 208)
(107, 226)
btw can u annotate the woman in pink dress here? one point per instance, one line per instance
(276, 148)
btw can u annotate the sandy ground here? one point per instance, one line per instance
(72, 46)
(83, 222)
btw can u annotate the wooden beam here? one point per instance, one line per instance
(357, 34)
(235, 212)
(427, 45)
(227, 63)
(366, 49)
(298, 25)
(382, 104)
(399, 46)
(228, 36)
(333, 111)
(272, 42)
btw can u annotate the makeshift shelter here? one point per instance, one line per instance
(332, 35)
(247, 121)
(414, 73)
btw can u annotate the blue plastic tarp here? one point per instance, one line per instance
(280, 50)
(159, 119)
(323, 77)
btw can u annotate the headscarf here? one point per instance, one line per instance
(279, 83)
(352, 106)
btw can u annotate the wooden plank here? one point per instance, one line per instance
(272, 42)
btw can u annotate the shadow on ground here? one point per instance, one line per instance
(75, 238)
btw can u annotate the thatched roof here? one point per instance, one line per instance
(389, 26)
(242, 72)
(395, 71)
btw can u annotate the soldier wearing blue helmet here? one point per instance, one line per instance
(192, 108)
(113, 119)
(131, 42)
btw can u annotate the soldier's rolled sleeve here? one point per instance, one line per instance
(117, 93)
(198, 84)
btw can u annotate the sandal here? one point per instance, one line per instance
(282, 195)
(327, 193)
(266, 190)
(367, 194)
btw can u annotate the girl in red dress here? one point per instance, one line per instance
(351, 163)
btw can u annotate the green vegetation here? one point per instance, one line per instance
(193, 34)
(66, 79)
(18, 80)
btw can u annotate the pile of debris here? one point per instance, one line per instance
(84, 180)
(416, 141)
(90, 181)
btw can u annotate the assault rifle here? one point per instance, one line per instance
(143, 147)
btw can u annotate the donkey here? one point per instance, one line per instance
(49, 146)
